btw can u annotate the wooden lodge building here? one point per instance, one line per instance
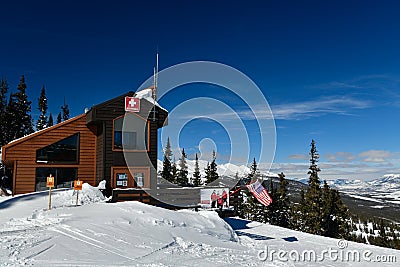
(91, 147)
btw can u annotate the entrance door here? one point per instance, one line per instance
(133, 177)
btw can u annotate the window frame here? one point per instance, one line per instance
(38, 161)
(147, 122)
(56, 171)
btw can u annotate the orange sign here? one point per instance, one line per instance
(78, 185)
(50, 181)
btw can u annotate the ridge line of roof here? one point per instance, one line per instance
(24, 138)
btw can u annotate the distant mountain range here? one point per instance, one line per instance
(383, 189)
(379, 198)
(226, 170)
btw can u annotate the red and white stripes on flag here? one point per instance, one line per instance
(259, 192)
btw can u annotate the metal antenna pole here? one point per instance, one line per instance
(155, 81)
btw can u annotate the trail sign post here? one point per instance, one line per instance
(50, 185)
(77, 188)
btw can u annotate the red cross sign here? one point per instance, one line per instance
(132, 104)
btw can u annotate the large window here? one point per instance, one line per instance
(63, 177)
(63, 151)
(133, 135)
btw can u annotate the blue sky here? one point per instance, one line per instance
(328, 69)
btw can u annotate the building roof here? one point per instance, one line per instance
(45, 130)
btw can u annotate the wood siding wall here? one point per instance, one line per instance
(102, 116)
(23, 153)
(100, 153)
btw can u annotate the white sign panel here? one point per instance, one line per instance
(214, 197)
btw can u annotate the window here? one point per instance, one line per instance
(139, 176)
(130, 133)
(63, 177)
(63, 151)
(125, 140)
(122, 179)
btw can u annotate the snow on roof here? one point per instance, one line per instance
(147, 94)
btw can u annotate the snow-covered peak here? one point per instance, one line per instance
(388, 180)
(226, 169)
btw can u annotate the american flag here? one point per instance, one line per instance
(259, 192)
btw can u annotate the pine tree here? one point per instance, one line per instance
(42, 106)
(282, 200)
(196, 174)
(174, 171)
(166, 172)
(320, 211)
(327, 223)
(3, 111)
(182, 178)
(50, 122)
(299, 211)
(213, 174)
(59, 118)
(253, 209)
(313, 196)
(9, 126)
(271, 212)
(19, 109)
(382, 239)
(253, 171)
(65, 111)
(207, 170)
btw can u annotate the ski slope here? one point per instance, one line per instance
(135, 234)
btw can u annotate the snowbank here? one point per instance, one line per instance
(127, 234)
(87, 195)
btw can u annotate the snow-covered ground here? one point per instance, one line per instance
(135, 234)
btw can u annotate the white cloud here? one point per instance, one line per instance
(375, 156)
(340, 157)
(366, 165)
(318, 107)
(298, 157)
(292, 111)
